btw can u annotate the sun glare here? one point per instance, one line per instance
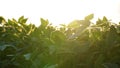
(60, 11)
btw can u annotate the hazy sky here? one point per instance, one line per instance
(60, 11)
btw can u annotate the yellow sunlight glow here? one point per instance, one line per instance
(60, 11)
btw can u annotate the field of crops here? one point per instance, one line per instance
(80, 44)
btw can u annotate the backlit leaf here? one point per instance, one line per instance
(89, 17)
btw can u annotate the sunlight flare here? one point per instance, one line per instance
(60, 11)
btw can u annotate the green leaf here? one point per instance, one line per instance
(112, 36)
(99, 61)
(110, 65)
(89, 17)
(2, 20)
(51, 49)
(2, 48)
(74, 24)
(83, 47)
(44, 23)
(58, 36)
(27, 56)
(99, 22)
(14, 20)
(86, 23)
(22, 20)
(105, 19)
(51, 66)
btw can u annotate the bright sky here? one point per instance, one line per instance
(59, 11)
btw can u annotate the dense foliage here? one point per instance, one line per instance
(80, 44)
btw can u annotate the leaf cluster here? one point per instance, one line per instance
(79, 44)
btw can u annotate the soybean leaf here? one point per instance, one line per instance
(58, 36)
(74, 24)
(44, 23)
(110, 65)
(2, 48)
(2, 20)
(89, 17)
(105, 19)
(27, 56)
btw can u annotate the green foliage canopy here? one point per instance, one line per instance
(76, 45)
